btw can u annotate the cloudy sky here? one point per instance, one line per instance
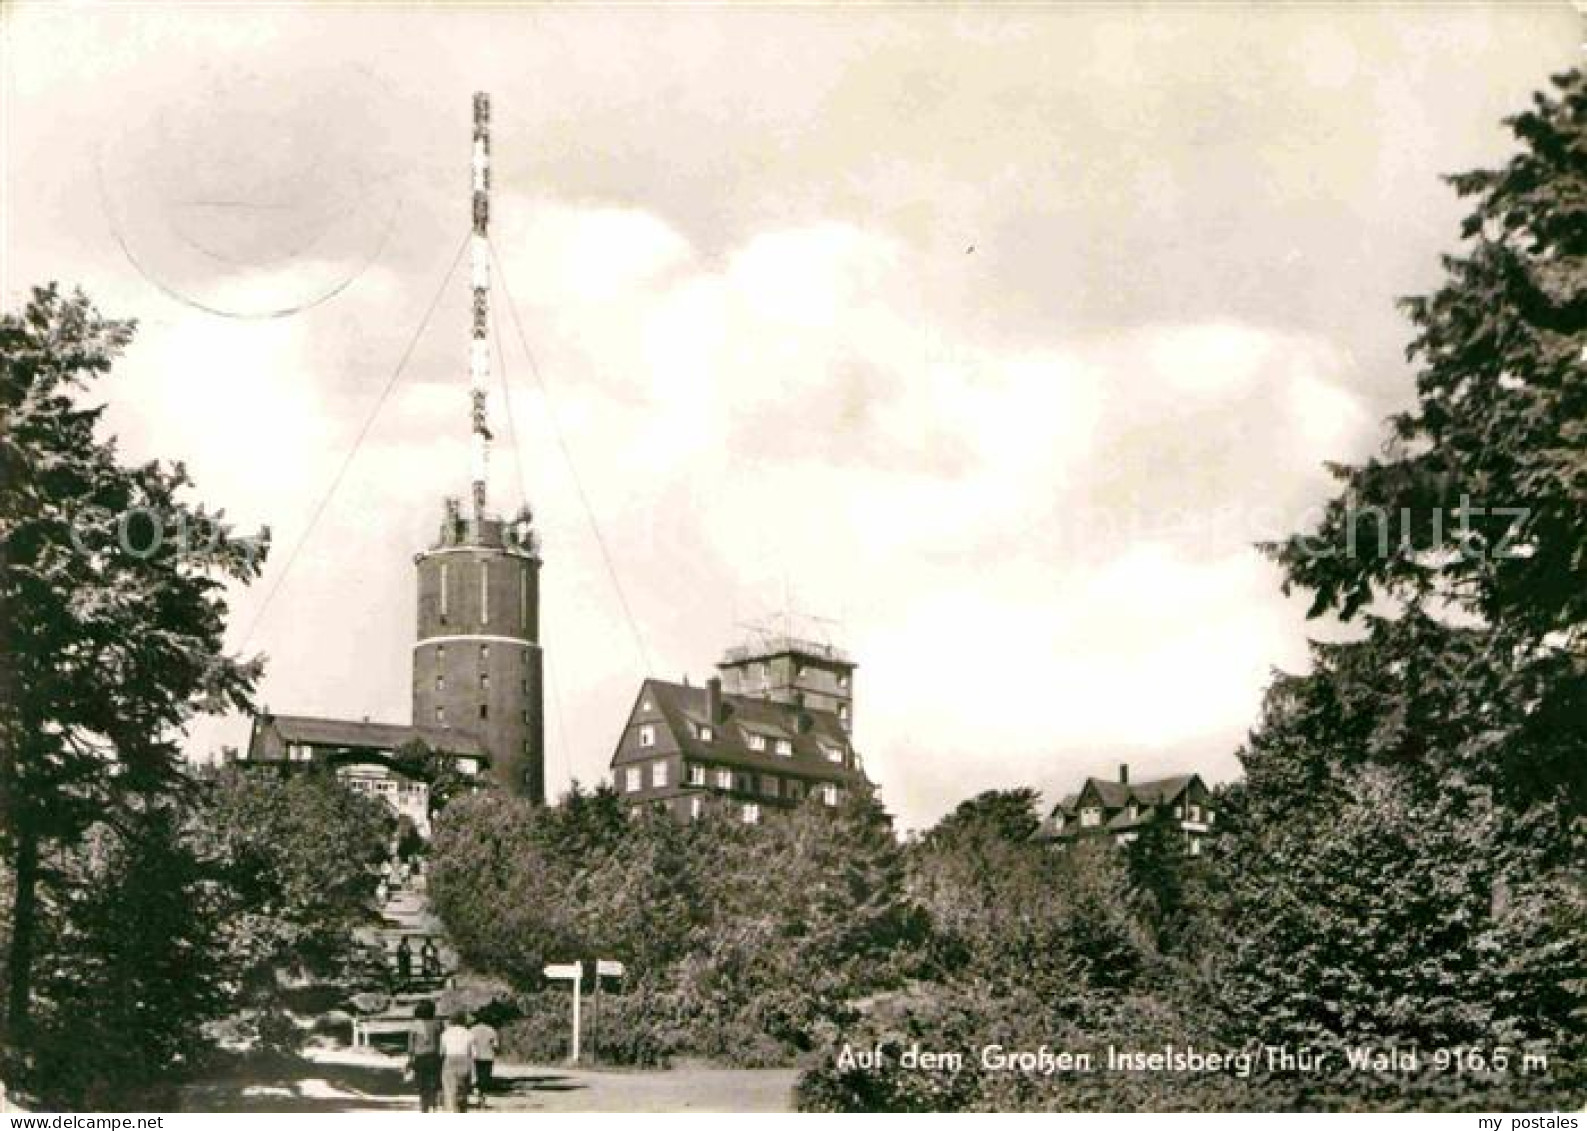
(993, 336)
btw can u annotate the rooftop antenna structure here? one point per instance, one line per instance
(479, 343)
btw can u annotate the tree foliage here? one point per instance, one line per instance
(112, 611)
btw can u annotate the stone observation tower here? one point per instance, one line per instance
(477, 667)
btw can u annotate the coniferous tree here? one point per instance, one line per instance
(112, 612)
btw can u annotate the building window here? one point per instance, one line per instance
(833, 753)
(484, 681)
(440, 714)
(829, 794)
(696, 807)
(644, 704)
(843, 711)
(757, 742)
(440, 683)
(769, 785)
(1195, 846)
(1179, 811)
(484, 592)
(1195, 813)
(484, 711)
(751, 813)
(724, 779)
(784, 747)
(631, 779)
(1090, 817)
(443, 591)
(696, 775)
(484, 653)
(707, 734)
(647, 735)
(523, 599)
(658, 774)
(843, 680)
(1130, 811)
(440, 655)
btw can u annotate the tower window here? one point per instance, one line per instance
(523, 598)
(484, 592)
(484, 711)
(484, 681)
(443, 591)
(484, 653)
(440, 654)
(440, 715)
(440, 683)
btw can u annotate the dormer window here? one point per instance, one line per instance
(784, 748)
(757, 741)
(1131, 811)
(1090, 817)
(707, 734)
(833, 753)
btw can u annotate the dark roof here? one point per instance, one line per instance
(1117, 794)
(312, 731)
(683, 708)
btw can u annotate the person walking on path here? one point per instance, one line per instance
(424, 1054)
(430, 958)
(457, 1062)
(404, 962)
(485, 1040)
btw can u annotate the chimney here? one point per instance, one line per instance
(1124, 773)
(713, 700)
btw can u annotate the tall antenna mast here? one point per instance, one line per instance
(479, 345)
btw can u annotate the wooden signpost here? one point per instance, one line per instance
(604, 968)
(570, 972)
(574, 972)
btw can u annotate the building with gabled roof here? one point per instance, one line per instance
(368, 757)
(686, 748)
(1119, 809)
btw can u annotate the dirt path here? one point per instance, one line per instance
(333, 1078)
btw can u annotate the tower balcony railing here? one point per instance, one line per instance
(778, 644)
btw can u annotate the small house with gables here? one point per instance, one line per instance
(367, 756)
(1119, 809)
(687, 748)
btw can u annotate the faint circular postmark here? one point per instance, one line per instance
(255, 195)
